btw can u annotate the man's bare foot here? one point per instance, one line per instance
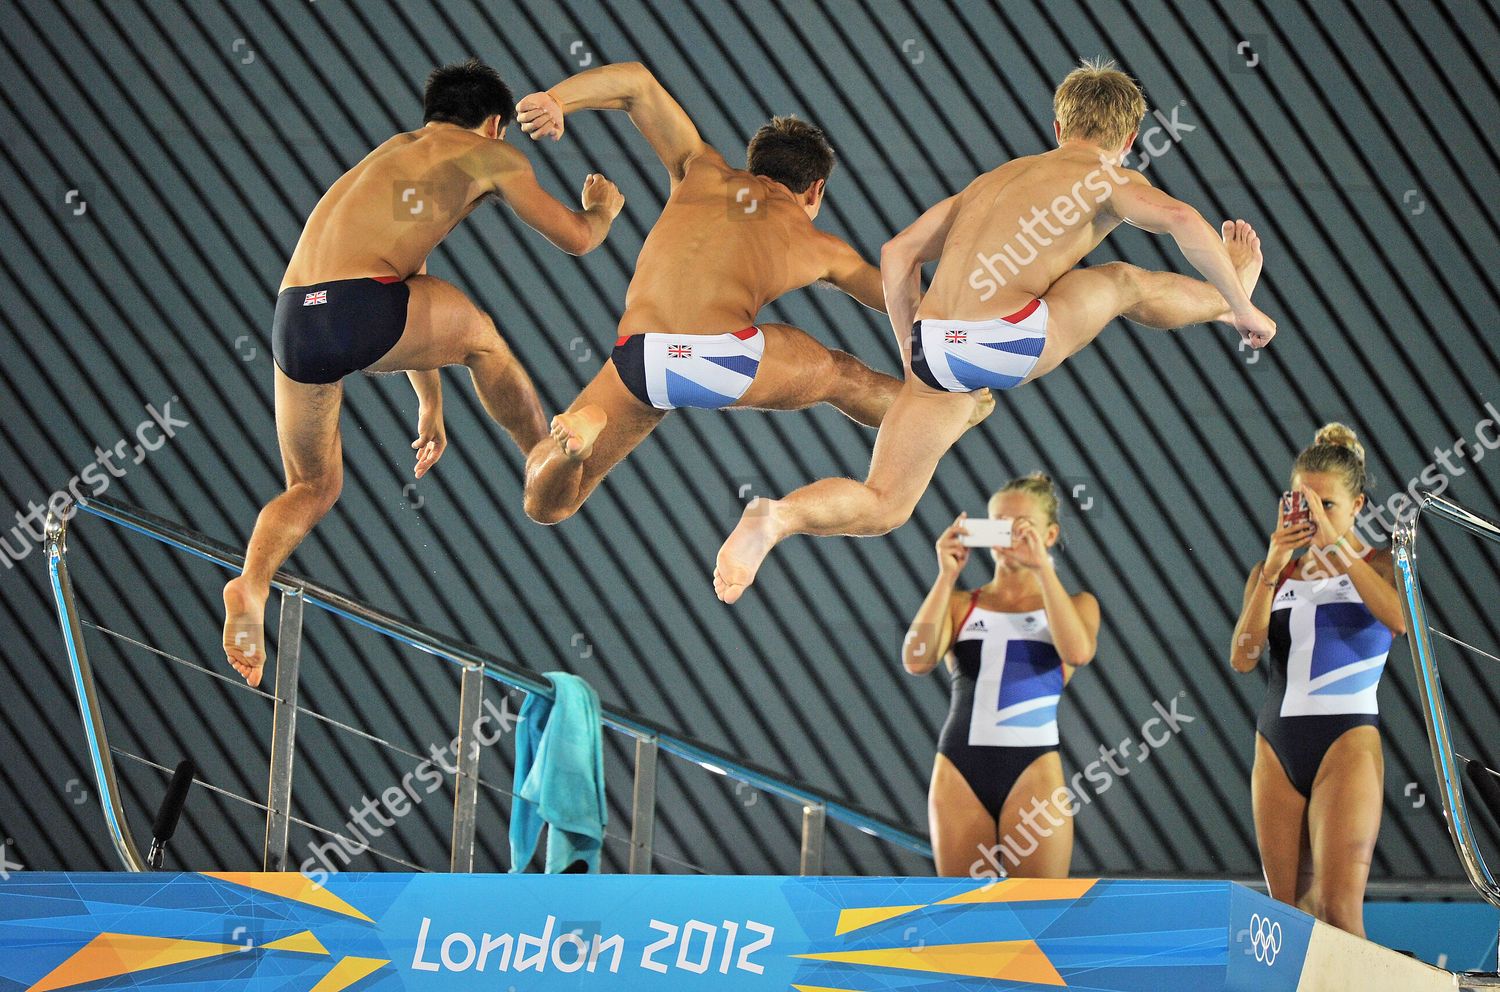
(741, 555)
(576, 432)
(1243, 245)
(244, 629)
(984, 405)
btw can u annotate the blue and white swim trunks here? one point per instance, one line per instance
(960, 356)
(707, 371)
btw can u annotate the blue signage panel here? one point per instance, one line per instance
(639, 933)
(1267, 943)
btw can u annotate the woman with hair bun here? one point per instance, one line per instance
(1324, 621)
(1011, 646)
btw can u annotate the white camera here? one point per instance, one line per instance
(988, 532)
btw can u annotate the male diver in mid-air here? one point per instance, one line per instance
(1006, 305)
(728, 242)
(356, 297)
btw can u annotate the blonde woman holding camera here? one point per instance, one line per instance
(1010, 646)
(1322, 610)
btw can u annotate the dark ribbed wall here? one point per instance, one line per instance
(198, 135)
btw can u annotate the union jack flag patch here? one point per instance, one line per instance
(679, 351)
(313, 299)
(955, 337)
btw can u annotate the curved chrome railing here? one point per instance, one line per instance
(476, 666)
(88, 704)
(1429, 685)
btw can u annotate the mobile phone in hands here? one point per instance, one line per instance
(988, 532)
(1294, 509)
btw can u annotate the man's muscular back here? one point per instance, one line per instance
(1018, 229)
(384, 216)
(727, 243)
(368, 225)
(728, 240)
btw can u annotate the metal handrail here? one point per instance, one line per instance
(299, 593)
(1434, 706)
(88, 704)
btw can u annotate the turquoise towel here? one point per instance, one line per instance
(559, 778)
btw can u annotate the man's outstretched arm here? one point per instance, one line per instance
(848, 271)
(432, 437)
(1141, 205)
(576, 232)
(627, 86)
(901, 260)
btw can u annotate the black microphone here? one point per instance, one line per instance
(165, 823)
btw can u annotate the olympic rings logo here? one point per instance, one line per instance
(1265, 938)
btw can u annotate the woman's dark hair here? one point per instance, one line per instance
(466, 93)
(790, 151)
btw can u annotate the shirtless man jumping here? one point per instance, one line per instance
(356, 297)
(728, 242)
(1006, 305)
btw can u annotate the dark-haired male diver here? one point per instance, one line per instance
(728, 242)
(1006, 305)
(356, 297)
